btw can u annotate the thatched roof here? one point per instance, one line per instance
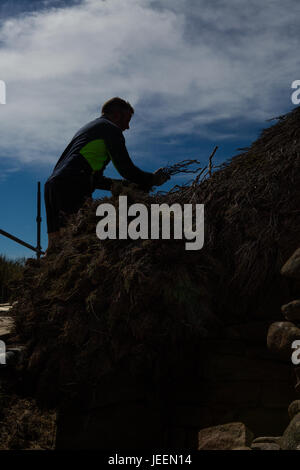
(91, 305)
(252, 213)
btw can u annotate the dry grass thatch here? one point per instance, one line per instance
(92, 306)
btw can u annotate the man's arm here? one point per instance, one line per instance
(123, 163)
(101, 182)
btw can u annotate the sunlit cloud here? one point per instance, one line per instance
(185, 67)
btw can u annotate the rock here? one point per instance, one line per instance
(294, 408)
(291, 311)
(265, 446)
(291, 436)
(225, 437)
(5, 308)
(281, 335)
(292, 267)
(11, 356)
(267, 439)
(6, 326)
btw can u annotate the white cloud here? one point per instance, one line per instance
(184, 65)
(5, 172)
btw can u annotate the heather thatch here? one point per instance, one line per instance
(10, 273)
(91, 307)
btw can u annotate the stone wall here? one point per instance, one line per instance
(232, 379)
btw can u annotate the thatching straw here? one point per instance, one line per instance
(91, 305)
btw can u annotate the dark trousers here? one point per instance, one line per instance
(64, 196)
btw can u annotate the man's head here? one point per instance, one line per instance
(118, 111)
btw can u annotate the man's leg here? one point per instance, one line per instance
(62, 198)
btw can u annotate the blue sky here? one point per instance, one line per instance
(198, 74)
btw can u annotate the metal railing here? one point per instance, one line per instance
(38, 248)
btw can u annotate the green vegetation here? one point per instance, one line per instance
(10, 272)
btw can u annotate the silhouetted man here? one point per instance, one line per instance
(79, 170)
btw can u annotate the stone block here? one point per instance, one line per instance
(291, 311)
(281, 336)
(292, 266)
(224, 437)
(294, 408)
(265, 446)
(291, 436)
(267, 439)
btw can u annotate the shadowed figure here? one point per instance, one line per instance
(79, 170)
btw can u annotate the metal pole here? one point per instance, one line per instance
(18, 240)
(210, 159)
(38, 222)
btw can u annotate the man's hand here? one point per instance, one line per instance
(160, 177)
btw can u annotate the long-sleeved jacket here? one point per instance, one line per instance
(92, 148)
